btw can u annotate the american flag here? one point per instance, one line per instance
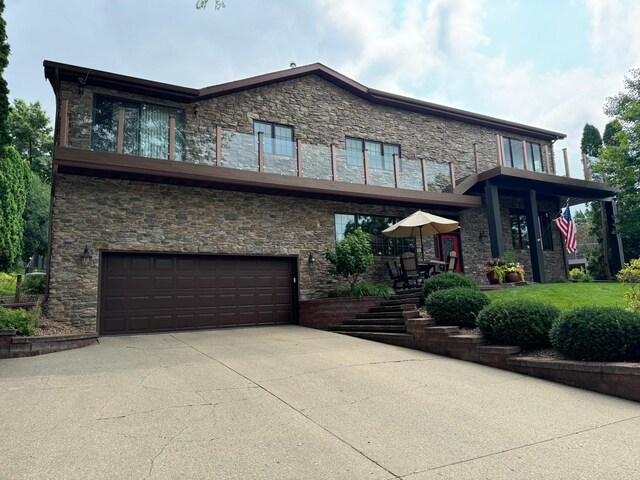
(567, 229)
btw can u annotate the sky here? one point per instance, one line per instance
(546, 63)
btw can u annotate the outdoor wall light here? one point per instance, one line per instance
(312, 260)
(196, 107)
(86, 256)
(482, 235)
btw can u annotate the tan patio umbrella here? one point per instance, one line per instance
(420, 224)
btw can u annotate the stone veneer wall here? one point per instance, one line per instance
(107, 214)
(320, 114)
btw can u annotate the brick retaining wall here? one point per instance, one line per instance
(12, 346)
(324, 313)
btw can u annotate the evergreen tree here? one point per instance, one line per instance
(4, 89)
(591, 142)
(610, 130)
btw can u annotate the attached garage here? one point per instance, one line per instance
(145, 292)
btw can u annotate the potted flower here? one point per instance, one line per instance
(514, 272)
(494, 269)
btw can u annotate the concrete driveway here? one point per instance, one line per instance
(294, 403)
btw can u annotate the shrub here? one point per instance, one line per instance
(448, 280)
(604, 334)
(364, 290)
(351, 258)
(34, 285)
(630, 275)
(524, 323)
(23, 321)
(456, 306)
(7, 284)
(580, 275)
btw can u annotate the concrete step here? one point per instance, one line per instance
(407, 301)
(394, 308)
(402, 314)
(392, 338)
(407, 296)
(408, 291)
(371, 328)
(376, 321)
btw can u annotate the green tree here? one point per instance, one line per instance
(15, 178)
(4, 89)
(351, 258)
(621, 161)
(610, 131)
(31, 134)
(36, 219)
(591, 142)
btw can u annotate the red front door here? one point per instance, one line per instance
(447, 243)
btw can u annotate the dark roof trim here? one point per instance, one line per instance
(55, 71)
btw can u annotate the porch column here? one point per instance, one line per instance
(615, 243)
(535, 236)
(493, 218)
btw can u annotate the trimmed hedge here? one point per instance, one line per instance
(524, 323)
(456, 306)
(23, 321)
(446, 280)
(600, 334)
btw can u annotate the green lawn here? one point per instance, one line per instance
(567, 295)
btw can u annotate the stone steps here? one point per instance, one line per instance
(393, 308)
(371, 328)
(401, 314)
(374, 321)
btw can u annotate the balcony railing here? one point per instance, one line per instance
(224, 148)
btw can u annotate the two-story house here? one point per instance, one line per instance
(178, 208)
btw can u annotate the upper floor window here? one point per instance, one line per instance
(373, 226)
(520, 234)
(380, 155)
(514, 154)
(145, 132)
(278, 139)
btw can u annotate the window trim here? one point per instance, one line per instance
(139, 103)
(546, 246)
(363, 142)
(273, 126)
(355, 216)
(508, 154)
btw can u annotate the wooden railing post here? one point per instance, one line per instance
(334, 166)
(172, 137)
(395, 170)
(475, 157)
(64, 123)
(585, 165)
(299, 156)
(499, 148)
(120, 130)
(260, 151)
(425, 183)
(218, 146)
(525, 158)
(566, 162)
(452, 174)
(366, 166)
(547, 163)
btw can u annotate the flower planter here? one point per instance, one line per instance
(493, 279)
(512, 277)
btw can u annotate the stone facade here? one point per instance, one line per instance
(122, 215)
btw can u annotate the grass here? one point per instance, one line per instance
(566, 296)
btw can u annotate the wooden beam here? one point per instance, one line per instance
(120, 130)
(452, 174)
(425, 182)
(334, 166)
(261, 151)
(492, 202)
(64, 123)
(299, 156)
(566, 163)
(525, 158)
(172, 137)
(218, 146)
(366, 166)
(395, 170)
(535, 236)
(476, 158)
(499, 149)
(547, 162)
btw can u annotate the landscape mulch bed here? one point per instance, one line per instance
(48, 327)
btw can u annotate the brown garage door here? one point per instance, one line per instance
(160, 292)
